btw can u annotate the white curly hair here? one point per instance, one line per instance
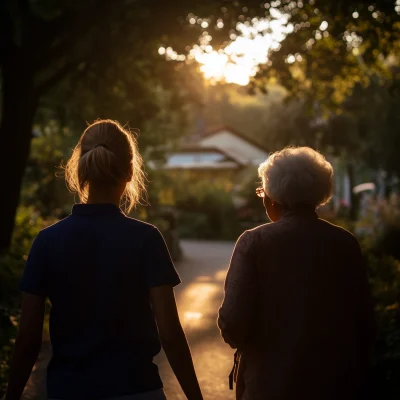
(297, 176)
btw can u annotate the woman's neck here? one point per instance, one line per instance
(109, 196)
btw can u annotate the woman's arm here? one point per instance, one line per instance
(238, 308)
(27, 344)
(174, 341)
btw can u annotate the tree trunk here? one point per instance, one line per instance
(18, 112)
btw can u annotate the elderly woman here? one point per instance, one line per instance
(297, 303)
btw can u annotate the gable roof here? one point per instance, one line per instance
(237, 133)
(196, 149)
(224, 160)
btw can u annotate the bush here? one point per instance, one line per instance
(379, 230)
(207, 212)
(28, 225)
(194, 225)
(165, 221)
(384, 273)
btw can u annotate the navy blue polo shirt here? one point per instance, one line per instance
(96, 266)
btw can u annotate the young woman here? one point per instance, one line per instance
(110, 282)
(297, 304)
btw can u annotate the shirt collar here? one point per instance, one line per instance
(305, 212)
(91, 209)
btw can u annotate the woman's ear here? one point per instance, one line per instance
(274, 210)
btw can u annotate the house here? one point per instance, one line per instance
(223, 157)
(234, 143)
(202, 158)
(222, 151)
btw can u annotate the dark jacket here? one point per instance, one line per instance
(297, 306)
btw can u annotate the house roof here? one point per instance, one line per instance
(204, 166)
(223, 161)
(228, 128)
(196, 149)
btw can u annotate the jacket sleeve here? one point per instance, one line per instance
(237, 312)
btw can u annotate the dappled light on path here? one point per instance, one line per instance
(220, 275)
(197, 309)
(203, 273)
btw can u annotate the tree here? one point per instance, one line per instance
(337, 50)
(333, 46)
(45, 42)
(268, 119)
(334, 50)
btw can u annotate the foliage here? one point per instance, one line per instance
(379, 222)
(267, 119)
(378, 228)
(342, 60)
(191, 205)
(384, 272)
(106, 68)
(367, 126)
(41, 187)
(335, 45)
(205, 209)
(380, 219)
(82, 69)
(340, 69)
(211, 217)
(28, 225)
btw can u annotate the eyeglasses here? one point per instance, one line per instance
(260, 192)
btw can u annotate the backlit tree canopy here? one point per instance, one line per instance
(107, 57)
(316, 46)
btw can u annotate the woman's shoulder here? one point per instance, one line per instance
(338, 231)
(125, 224)
(62, 224)
(251, 237)
(137, 223)
(145, 229)
(263, 230)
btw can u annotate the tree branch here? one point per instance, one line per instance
(61, 34)
(48, 83)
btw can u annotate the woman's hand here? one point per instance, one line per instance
(27, 344)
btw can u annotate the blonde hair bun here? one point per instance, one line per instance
(107, 154)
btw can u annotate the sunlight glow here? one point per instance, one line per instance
(324, 25)
(239, 61)
(291, 59)
(192, 315)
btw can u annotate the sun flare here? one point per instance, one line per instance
(239, 61)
